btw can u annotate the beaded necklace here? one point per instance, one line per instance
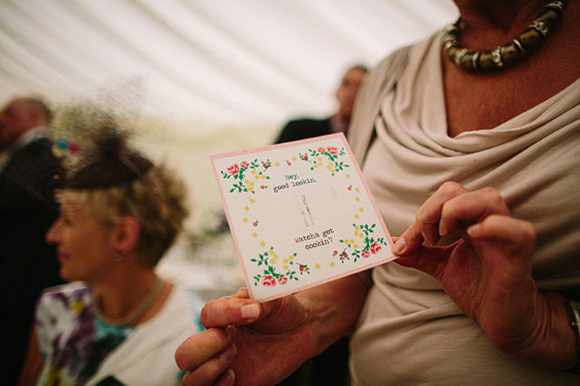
(508, 54)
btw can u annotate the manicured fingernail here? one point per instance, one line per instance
(250, 311)
(399, 246)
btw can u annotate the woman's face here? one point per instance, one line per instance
(85, 246)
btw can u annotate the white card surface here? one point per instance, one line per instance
(300, 214)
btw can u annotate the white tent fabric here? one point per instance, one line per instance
(211, 62)
(226, 73)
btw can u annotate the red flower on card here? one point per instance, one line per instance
(268, 281)
(332, 150)
(234, 169)
(375, 247)
(365, 254)
(244, 165)
(282, 280)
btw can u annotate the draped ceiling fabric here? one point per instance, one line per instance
(209, 64)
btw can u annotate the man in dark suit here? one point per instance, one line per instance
(338, 122)
(29, 174)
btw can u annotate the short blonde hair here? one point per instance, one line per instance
(157, 200)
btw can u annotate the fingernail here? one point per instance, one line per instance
(399, 246)
(426, 238)
(443, 229)
(231, 331)
(250, 311)
(229, 353)
(474, 230)
(229, 378)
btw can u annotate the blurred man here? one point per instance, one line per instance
(337, 123)
(29, 174)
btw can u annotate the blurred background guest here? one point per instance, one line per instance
(117, 322)
(339, 121)
(29, 173)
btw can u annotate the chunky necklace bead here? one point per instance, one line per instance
(508, 54)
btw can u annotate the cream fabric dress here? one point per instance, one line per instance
(410, 332)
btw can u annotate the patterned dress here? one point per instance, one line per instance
(76, 343)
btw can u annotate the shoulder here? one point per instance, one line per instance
(308, 122)
(64, 295)
(303, 128)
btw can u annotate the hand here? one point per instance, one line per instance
(245, 353)
(488, 272)
(255, 343)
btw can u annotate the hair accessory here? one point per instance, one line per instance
(508, 54)
(113, 164)
(118, 255)
(92, 143)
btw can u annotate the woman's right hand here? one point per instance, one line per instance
(246, 342)
(253, 343)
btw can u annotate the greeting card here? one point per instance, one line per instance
(300, 214)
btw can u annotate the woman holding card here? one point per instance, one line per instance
(484, 290)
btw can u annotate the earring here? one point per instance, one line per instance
(118, 256)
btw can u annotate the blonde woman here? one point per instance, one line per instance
(117, 322)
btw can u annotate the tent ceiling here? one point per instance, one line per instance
(216, 62)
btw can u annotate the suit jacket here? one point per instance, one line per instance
(28, 264)
(304, 128)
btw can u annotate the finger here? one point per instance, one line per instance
(504, 229)
(216, 371)
(431, 260)
(228, 378)
(242, 293)
(426, 225)
(230, 310)
(469, 208)
(429, 215)
(409, 241)
(199, 348)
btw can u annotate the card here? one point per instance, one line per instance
(300, 214)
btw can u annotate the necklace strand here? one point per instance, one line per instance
(136, 313)
(508, 54)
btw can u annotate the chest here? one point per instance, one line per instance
(476, 102)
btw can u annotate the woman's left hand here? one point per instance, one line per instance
(488, 272)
